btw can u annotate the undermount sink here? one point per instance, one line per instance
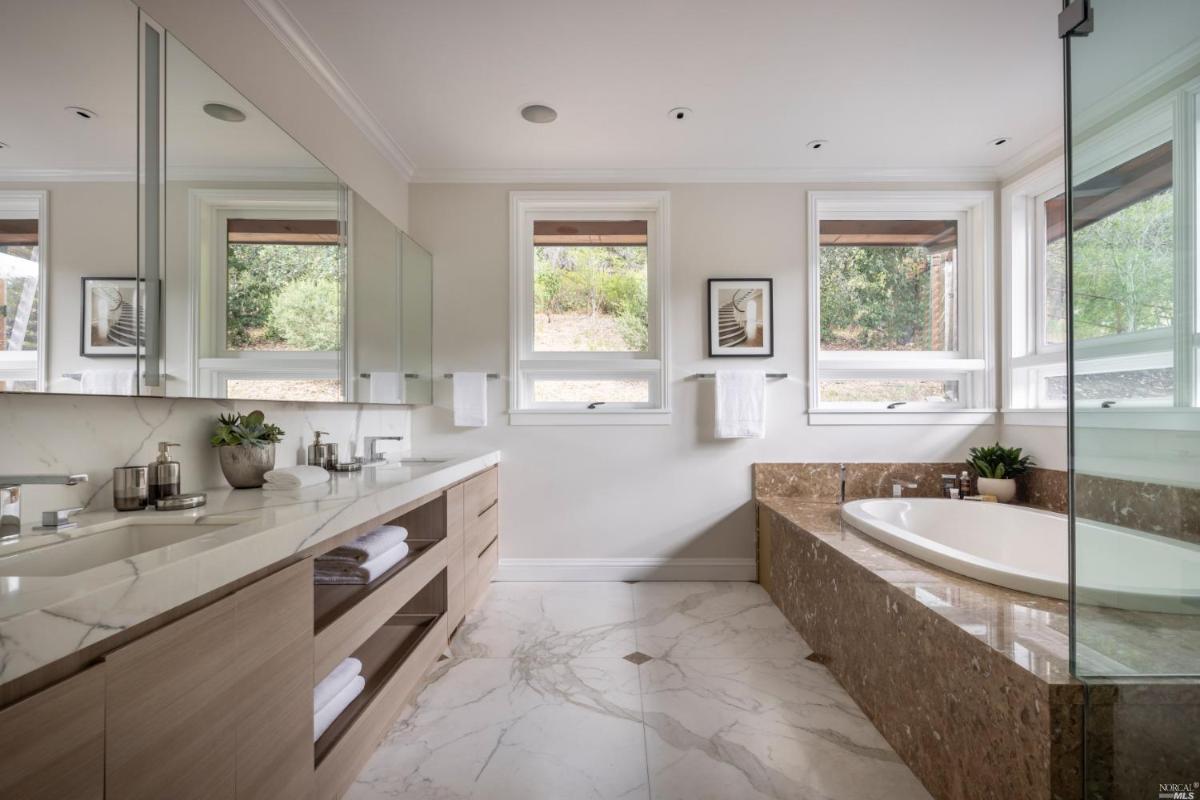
(110, 542)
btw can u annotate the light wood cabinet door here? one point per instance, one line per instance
(172, 710)
(274, 633)
(52, 743)
(456, 597)
(219, 703)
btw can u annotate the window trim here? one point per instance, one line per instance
(971, 363)
(209, 363)
(527, 364)
(15, 365)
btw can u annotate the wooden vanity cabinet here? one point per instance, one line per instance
(456, 598)
(218, 704)
(52, 743)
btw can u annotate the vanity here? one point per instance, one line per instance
(187, 669)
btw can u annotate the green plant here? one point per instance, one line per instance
(997, 461)
(245, 429)
(307, 315)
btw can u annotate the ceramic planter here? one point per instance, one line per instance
(1004, 489)
(245, 465)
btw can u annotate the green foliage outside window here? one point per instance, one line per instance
(595, 282)
(283, 297)
(875, 298)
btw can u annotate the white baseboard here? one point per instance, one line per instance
(627, 569)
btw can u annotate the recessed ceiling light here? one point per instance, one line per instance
(81, 112)
(680, 113)
(539, 113)
(817, 144)
(999, 140)
(223, 112)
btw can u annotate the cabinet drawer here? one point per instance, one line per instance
(53, 742)
(483, 530)
(456, 604)
(481, 576)
(479, 493)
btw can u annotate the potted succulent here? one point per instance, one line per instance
(246, 446)
(997, 467)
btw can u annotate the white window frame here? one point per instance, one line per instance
(26, 365)
(527, 365)
(210, 364)
(971, 365)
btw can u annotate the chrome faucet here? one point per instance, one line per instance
(10, 496)
(369, 442)
(842, 484)
(898, 487)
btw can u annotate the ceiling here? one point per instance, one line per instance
(913, 85)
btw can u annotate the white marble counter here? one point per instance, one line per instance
(44, 619)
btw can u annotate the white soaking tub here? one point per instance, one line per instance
(1026, 549)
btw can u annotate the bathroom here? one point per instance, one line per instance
(660, 366)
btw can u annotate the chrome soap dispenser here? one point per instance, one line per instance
(321, 454)
(165, 474)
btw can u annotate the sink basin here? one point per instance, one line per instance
(109, 542)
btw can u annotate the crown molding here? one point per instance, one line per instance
(712, 175)
(185, 172)
(1044, 149)
(36, 175)
(288, 30)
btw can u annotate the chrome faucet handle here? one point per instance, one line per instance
(59, 518)
(10, 495)
(898, 486)
(369, 443)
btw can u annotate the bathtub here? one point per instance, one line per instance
(1026, 549)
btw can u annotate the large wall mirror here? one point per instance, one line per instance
(211, 256)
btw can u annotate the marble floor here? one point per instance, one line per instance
(687, 691)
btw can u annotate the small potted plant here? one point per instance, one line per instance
(997, 467)
(246, 446)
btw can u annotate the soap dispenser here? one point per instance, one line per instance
(320, 453)
(164, 474)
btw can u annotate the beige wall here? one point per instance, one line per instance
(625, 492)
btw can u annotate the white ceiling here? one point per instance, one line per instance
(912, 85)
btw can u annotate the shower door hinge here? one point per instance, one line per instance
(1076, 19)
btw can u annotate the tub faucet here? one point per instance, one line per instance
(898, 487)
(10, 496)
(842, 484)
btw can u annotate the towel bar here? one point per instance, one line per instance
(492, 376)
(409, 375)
(713, 375)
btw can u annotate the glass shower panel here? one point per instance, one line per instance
(1135, 439)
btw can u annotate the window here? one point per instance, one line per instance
(270, 304)
(899, 302)
(588, 317)
(22, 282)
(1126, 276)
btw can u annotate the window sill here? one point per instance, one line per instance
(635, 416)
(1035, 417)
(958, 416)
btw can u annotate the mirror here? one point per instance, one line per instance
(68, 197)
(254, 272)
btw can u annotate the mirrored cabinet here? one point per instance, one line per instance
(174, 241)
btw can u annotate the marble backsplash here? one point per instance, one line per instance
(71, 433)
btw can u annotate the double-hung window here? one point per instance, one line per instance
(899, 316)
(588, 313)
(22, 287)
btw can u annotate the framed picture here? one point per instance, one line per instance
(109, 314)
(741, 317)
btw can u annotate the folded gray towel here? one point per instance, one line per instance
(326, 571)
(369, 545)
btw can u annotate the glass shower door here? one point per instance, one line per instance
(1132, 86)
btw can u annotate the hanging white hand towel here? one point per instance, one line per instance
(470, 399)
(741, 404)
(109, 381)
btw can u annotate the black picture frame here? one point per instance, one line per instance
(718, 350)
(87, 347)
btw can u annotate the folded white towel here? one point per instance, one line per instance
(325, 717)
(741, 404)
(295, 477)
(340, 571)
(384, 387)
(368, 546)
(470, 399)
(108, 381)
(341, 677)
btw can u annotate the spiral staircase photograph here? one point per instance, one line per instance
(121, 318)
(731, 318)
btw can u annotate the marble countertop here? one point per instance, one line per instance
(43, 619)
(1030, 630)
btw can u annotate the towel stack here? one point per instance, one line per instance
(364, 559)
(335, 692)
(292, 478)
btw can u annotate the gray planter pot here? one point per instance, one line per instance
(244, 465)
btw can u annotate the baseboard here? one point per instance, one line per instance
(627, 569)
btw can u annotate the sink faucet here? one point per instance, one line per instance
(369, 442)
(898, 487)
(10, 496)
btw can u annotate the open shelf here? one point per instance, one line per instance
(330, 601)
(382, 656)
